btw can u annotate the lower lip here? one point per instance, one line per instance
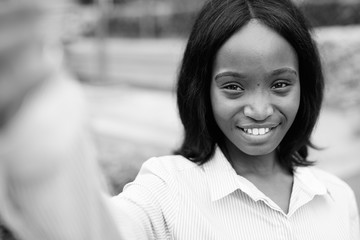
(257, 138)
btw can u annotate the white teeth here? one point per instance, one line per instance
(257, 131)
(262, 131)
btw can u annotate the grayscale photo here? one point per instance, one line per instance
(179, 119)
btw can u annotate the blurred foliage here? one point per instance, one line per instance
(139, 18)
(178, 24)
(90, 2)
(340, 51)
(332, 13)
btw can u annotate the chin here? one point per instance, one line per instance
(256, 150)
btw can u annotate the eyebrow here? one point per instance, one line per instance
(282, 71)
(229, 74)
(240, 75)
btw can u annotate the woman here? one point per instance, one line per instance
(249, 94)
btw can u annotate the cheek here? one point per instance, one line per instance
(223, 109)
(291, 105)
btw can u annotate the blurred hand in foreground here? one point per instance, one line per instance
(50, 184)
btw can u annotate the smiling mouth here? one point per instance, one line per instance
(257, 131)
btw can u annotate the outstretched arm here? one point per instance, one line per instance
(49, 181)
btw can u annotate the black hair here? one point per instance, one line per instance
(216, 23)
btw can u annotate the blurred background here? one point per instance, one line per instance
(126, 53)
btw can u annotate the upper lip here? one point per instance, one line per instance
(265, 125)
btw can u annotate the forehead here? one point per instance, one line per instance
(256, 47)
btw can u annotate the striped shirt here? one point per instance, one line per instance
(173, 198)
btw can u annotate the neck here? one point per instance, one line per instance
(248, 165)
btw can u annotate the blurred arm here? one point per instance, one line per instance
(49, 181)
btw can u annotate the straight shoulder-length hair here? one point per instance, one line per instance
(217, 21)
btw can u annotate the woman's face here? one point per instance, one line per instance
(255, 89)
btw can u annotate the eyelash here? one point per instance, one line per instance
(235, 89)
(282, 83)
(231, 87)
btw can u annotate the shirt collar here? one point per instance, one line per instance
(223, 180)
(305, 187)
(221, 176)
(308, 182)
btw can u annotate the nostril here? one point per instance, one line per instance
(258, 113)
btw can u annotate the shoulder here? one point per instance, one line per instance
(158, 180)
(334, 185)
(164, 169)
(171, 164)
(342, 195)
(327, 178)
(152, 199)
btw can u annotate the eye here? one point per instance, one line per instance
(280, 85)
(233, 87)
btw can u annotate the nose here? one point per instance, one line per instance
(259, 108)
